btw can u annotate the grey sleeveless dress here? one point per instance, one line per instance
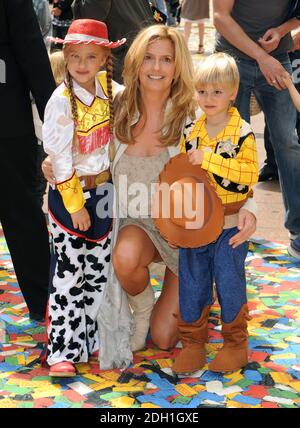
(145, 170)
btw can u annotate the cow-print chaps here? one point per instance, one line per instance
(80, 270)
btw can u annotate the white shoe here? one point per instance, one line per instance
(141, 305)
(293, 236)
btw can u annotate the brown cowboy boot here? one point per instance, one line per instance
(193, 337)
(234, 353)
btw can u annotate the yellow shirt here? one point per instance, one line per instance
(230, 158)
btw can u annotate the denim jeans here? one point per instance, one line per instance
(280, 115)
(270, 155)
(160, 4)
(200, 267)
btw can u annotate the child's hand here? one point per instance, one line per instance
(172, 246)
(48, 170)
(81, 219)
(195, 157)
(287, 79)
(56, 11)
(296, 40)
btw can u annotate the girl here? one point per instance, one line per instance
(76, 134)
(222, 144)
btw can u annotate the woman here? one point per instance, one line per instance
(197, 12)
(150, 113)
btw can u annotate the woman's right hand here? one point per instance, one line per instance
(48, 170)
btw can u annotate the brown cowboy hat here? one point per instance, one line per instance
(186, 210)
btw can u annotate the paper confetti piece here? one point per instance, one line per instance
(278, 400)
(80, 388)
(185, 390)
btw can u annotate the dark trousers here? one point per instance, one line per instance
(41, 183)
(59, 32)
(22, 220)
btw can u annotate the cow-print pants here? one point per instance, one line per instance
(79, 268)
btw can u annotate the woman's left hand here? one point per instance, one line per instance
(246, 226)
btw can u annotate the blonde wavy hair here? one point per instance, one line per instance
(218, 68)
(57, 62)
(182, 92)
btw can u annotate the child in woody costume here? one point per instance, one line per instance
(222, 144)
(76, 133)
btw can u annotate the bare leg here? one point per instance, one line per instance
(163, 324)
(133, 253)
(187, 31)
(201, 37)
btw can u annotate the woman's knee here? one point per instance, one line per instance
(125, 259)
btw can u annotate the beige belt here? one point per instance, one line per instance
(92, 181)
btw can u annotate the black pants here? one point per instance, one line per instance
(41, 183)
(22, 220)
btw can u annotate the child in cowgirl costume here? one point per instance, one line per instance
(76, 133)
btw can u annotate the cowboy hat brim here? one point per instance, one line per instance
(103, 43)
(176, 232)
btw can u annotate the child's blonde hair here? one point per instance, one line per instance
(217, 69)
(182, 88)
(58, 66)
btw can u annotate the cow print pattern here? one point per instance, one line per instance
(81, 269)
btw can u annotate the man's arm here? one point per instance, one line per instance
(234, 34)
(232, 31)
(272, 37)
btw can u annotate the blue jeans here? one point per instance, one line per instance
(200, 267)
(160, 4)
(270, 155)
(280, 115)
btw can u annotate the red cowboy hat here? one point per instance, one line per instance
(88, 31)
(204, 223)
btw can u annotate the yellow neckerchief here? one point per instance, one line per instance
(93, 120)
(232, 130)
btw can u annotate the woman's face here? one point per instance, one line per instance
(158, 68)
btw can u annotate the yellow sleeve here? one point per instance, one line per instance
(72, 194)
(182, 145)
(241, 170)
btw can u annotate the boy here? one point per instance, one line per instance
(224, 145)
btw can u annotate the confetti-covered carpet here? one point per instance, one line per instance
(271, 379)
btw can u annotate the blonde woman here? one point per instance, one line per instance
(155, 106)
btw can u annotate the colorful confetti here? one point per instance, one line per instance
(270, 380)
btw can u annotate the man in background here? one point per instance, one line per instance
(123, 18)
(24, 68)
